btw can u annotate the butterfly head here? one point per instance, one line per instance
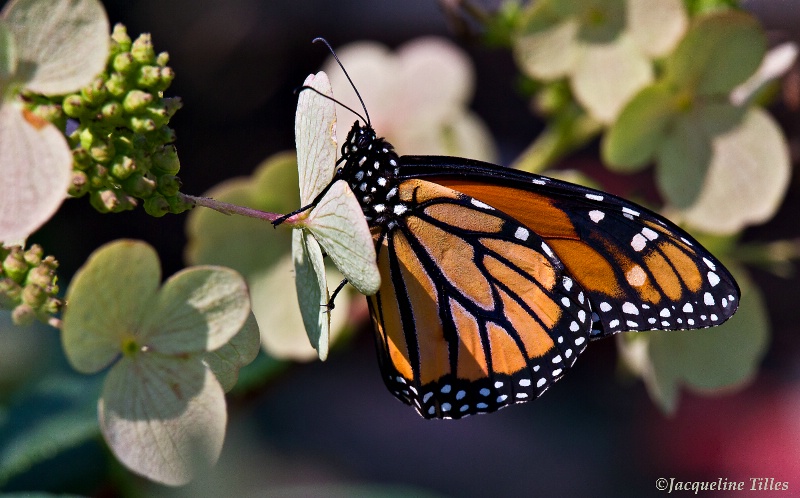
(371, 167)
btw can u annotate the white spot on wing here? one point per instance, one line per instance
(596, 215)
(638, 242)
(482, 205)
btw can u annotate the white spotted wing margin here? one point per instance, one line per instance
(471, 319)
(658, 276)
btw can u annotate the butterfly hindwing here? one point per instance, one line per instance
(639, 270)
(475, 311)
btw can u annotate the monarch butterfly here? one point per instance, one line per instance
(494, 279)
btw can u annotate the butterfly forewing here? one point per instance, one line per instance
(640, 271)
(477, 312)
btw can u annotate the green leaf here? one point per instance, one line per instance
(36, 167)
(640, 128)
(107, 298)
(61, 45)
(163, 417)
(51, 416)
(8, 55)
(226, 361)
(687, 153)
(747, 178)
(340, 228)
(312, 290)
(720, 51)
(245, 244)
(198, 309)
(315, 134)
(710, 359)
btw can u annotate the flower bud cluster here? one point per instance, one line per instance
(28, 284)
(122, 145)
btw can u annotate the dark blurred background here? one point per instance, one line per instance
(324, 425)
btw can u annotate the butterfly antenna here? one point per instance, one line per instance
(306, 87)
(323, 40)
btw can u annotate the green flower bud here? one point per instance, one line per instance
(73, 106)
(140, 186)
(136, 101)
(142, 125)
(165, 161)
(79, 185)
(33, 295)
(120, 35)
(10, 293)
(51, 306)
(14, 265)
(162, 59)
(169, 185)
(23, 315)
(33, 256)
(166, 135)
(116, 85)
(112, 112)
(49, 112)
(123, 167)
(156, 206)
(98, 177)
(167, 75)
(124, 63)
(178, 204)
(142, 49)
(86, 137)
(42, 275)
(111, 201)
(102, 151)
(149, 77)
(95, 93)
(81, 158)
(172, 104)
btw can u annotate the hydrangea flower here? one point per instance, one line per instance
(336, 224)
(172, 350)
(707, 149)
(417, 96)
(603, 47)
(49, 47)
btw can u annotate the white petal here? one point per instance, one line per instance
(64, 42)
(163, 417)
(312, 289)
(338, 224)
(36, 170)
(198, 309)
(315, 137)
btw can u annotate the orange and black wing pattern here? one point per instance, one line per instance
(639, 270)
(475, 311)
(494, 280)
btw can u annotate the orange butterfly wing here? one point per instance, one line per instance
(475, 312)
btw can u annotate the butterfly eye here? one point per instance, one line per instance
(363, 140)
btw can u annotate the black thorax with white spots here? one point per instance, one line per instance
(371, 169)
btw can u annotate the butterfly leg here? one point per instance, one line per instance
(330, 305)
